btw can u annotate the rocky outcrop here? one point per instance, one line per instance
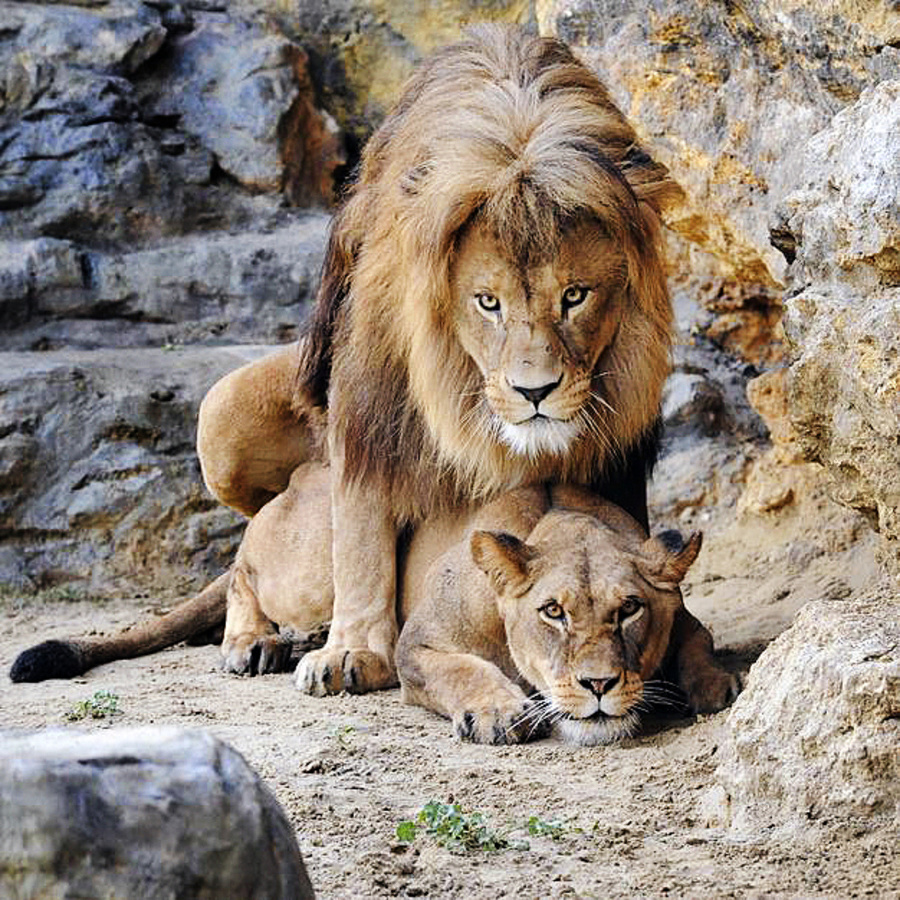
(843, 317)
(726, 96)
(196, 289)
(146, 156)
(812, 741)
(150, 813)
(362, 51)
(100, 487)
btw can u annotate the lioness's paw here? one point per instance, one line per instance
(329, 671)
(511, 722)
(260, 656)
(711, 689)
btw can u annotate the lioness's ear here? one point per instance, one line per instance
(671, 555)
(504, 559)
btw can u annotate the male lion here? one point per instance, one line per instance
(493, 313)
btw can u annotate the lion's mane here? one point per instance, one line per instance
(510, 128)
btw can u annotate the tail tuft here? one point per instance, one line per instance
(51, 659)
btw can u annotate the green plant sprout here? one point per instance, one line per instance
(458, 831)
(102, 705)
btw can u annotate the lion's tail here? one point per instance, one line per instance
(68, 658)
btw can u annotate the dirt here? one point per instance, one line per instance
(349, 769)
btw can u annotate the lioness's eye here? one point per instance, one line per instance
(553, 610)
(488, 302)
(630, 606)
(574, 295)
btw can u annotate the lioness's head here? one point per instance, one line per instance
(587, 621)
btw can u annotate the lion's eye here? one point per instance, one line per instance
(629, 607)
(573, 296)
(487, 302)
(553, 610)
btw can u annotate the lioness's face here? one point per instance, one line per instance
(587, 623)
(537, 333)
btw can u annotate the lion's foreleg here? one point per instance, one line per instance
(707, 685)
(358, 655)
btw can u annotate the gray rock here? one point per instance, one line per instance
(100, 487)
(843, 320)
(218, 287)
(813, 739)
(144, 812)
(229, 85)
(117, 127)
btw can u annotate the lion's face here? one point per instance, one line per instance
(587, 623)
(537, 332)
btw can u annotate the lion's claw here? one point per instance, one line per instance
(330, 671)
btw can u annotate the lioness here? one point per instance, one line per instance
(492, 313)
(545, 589)
(550, 590)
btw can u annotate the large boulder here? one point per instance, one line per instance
(144, 812)
(120, 125)
(813, 739)
(843, 318)
(362, 51)
(254, 286)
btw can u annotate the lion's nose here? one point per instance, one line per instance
(599, 686)
(536, 394)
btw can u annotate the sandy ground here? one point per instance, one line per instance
(347, 769)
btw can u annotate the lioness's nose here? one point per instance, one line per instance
(599, 686)
(536, 394)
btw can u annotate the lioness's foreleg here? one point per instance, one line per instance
(483, 704)
(707, 685)
(253, 431)
(359, 653)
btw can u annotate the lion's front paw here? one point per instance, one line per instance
(505, 721)
(711, 689)
(330, 671)
(257, 656)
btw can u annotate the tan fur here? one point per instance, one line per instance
(475, 646)
(505, 170)
(251, 434)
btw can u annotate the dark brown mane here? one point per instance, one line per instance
(511, 129)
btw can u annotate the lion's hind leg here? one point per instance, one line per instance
(252, 644)
(483, 704)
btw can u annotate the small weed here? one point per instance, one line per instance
(538, 827)
(102, 705)
(63, 593)
(343, 734)
(459, 831)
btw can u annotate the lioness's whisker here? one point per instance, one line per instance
(539, 710)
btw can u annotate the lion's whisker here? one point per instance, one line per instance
(596, 395)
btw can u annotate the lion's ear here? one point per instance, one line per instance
(504, 559)
(670, 555)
